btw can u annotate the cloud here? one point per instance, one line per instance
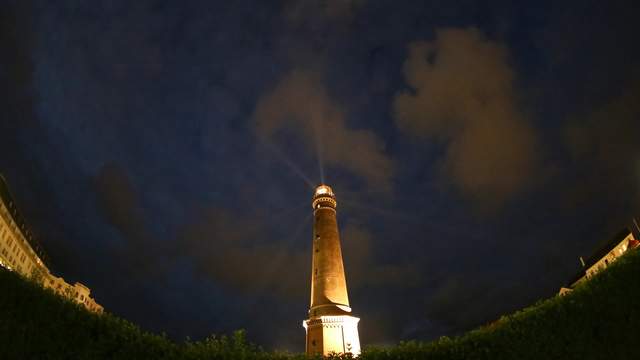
(142, 254)
(459, 303)
(462, 96)
(117, 198)
(239, 254)
(233, 250)
(361, 267)
(604, 145)
(305, 11)
(301, 102)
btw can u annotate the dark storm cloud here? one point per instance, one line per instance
(16, 73)
(588, 61)
(363, 267)
(118, 199)
(605, 141)
(231, 250)
(239, 253)
(19, 125)
(301, 101)
(460, 302)
(463, 96)
(310, 10)
(590, 81)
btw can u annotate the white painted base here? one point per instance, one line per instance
(332, 334)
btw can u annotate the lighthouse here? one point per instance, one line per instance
(330, 327)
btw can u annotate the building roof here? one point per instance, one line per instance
(7, 198)
(601, 252)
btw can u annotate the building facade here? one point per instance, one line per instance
(330, 328)
(603, 257)
(20, 252)
(77, 292)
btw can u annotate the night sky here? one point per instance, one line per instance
(164, 153)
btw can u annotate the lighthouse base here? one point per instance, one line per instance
(332, 334)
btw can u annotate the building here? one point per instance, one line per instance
(20, 252)
(603, 257)
(330, 327)
(77, 292)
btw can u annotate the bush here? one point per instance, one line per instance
(600, 319)
(38, 324)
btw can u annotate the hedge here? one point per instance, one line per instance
(600, 319)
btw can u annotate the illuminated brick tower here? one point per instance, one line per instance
(330, 327)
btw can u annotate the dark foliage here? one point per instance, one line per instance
(598, 320)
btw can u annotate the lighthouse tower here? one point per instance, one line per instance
(330, 327)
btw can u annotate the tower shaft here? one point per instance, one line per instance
(328, 284)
